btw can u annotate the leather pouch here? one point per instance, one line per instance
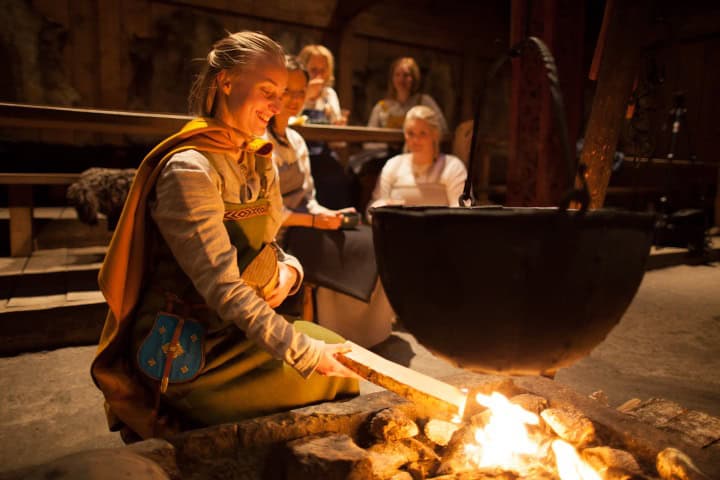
(173, 350)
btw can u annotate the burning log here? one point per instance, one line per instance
(600, 396)
(388, 458)
(391, 424)
(532, 403)
(329, 457)
(479, 475)
(504, 386)
(672, 464)
(612, 464)
(697, 428)
(439, 431)
(456, 459)
(570, 425)
(402, 475)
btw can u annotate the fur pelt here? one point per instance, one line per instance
(100, 190)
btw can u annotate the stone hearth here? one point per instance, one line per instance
(258, 448)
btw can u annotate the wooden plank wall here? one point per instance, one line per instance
(137, 54)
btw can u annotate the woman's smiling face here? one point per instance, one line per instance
(253, 96)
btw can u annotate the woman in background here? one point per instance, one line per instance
(365, 321)
(403, 93)
(334, 187)
(423, 175)
(322, 102)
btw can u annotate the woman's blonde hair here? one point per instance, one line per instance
(414, 73)
(241, 50)
(310, 50)
(429, 116)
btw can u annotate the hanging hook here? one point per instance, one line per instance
(582, 195)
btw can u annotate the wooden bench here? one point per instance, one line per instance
(155, 126)
(20, 205)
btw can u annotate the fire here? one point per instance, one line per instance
(569, 463)
(506, 442)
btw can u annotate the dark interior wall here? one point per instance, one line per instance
(138, 54)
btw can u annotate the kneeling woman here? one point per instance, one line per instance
(192, 273)
(350, 299)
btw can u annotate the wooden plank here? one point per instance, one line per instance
(20, 206)
(83, 46)
(443, 399)
(626, 29)
(38, 178)
(112, 54)
(116, 121)
(93, 120)
(307, 14)
(337, 133)
(345, 65)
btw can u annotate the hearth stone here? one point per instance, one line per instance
(250, 449)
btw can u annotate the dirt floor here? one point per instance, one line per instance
(667, 345)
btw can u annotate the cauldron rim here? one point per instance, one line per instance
(601, 216)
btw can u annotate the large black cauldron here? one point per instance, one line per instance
(510, 290)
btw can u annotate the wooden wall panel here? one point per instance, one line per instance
(58, 12)
(315, 13)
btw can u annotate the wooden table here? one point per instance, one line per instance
(119, 122)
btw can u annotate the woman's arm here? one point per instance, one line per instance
(333, 103)
(189, 214)
(374, 120)
(383, 187)
(454, 179)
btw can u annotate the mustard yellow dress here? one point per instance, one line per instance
(204, 209)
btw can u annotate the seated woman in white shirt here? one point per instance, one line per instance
(403, 93)
(423, 175)
(349, 296)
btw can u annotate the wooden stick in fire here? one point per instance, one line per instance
(441, 398)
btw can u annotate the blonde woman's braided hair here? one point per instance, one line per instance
(237, 51)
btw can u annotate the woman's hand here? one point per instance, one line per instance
(287, 276)
(327, 221)
(330, 366)
(314, 87)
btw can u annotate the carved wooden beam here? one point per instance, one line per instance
(627, 26)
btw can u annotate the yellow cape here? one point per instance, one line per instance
(122, 271)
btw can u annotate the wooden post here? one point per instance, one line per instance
(627, 27)
(537, 168)
(717, 200)
(20, 203)
(345, 65)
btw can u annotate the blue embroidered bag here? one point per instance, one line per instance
(173, 350)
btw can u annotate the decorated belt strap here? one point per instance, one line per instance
(243, 213)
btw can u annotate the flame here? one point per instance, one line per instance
(505, 443)
(569, 463)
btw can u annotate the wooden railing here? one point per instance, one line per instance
(15, 115)
(159, 125)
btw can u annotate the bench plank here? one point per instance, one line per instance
(20, 203)
(38, 178)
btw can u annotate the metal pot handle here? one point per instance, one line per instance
(574, 194)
